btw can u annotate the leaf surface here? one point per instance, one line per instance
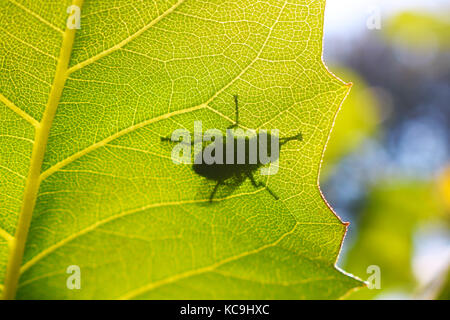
(86, 181)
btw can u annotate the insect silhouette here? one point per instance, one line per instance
(235, 173)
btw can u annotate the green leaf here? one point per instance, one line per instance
(357, 121)
(88, 182)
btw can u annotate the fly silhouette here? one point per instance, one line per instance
(231, 174)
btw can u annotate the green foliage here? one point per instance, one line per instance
(420, 30)
(389, 218)
(444, 293)
(108, 197)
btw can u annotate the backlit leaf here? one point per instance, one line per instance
(81, 116)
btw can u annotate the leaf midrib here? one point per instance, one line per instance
(17, 245)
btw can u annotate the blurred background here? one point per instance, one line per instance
(387, 165)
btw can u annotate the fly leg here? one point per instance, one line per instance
(297, 137)
(216, 187)
(261, 184)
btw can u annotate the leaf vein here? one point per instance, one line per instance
(29, 45)
(7, 236)
(118, 134)
(124, 41)
(19, 111)
(34, 14)
(37, 156)
(209, 268)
